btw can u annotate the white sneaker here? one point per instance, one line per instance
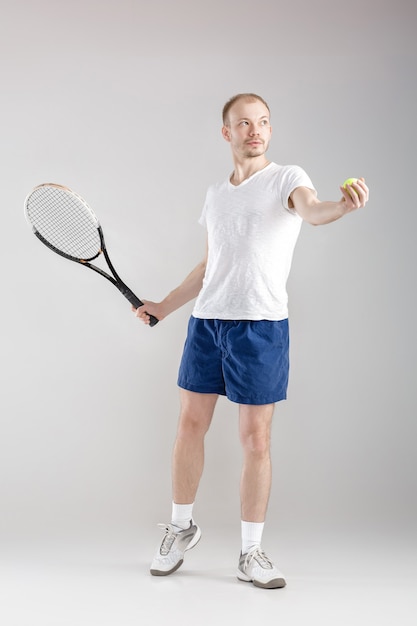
(255, 567)
(170, 554)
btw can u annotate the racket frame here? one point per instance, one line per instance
(115, 278)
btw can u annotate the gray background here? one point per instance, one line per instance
(121, 101)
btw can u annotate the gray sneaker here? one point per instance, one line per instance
(255, 567)
(170, 554)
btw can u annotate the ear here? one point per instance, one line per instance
(226, 133)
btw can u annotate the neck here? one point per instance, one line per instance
(246, 169)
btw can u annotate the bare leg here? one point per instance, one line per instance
(255, 435)
(188, 457)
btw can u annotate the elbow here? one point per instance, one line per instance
(313, 220)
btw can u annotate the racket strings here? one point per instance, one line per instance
(65, 222)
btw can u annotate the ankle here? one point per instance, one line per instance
(251, 535)
(182, 515)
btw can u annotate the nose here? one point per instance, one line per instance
(254, 130)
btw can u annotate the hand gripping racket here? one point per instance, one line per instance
(64, 222)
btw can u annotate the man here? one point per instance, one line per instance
(237, 342)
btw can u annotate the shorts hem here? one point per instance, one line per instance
(197, 389)
(256, 401)
(232, 397)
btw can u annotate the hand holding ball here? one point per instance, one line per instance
(350, 181)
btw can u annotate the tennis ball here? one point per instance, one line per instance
(349, 181)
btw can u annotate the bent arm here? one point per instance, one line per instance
(316, 212)
(186, 291)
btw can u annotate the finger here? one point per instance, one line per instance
(362, 191)
(143, 317)
(349, 196)
(355, 196)
(361, 184)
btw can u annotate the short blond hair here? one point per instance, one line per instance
(249, 97)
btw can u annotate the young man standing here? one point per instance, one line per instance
(237, 342)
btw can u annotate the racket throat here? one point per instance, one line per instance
(121, 286)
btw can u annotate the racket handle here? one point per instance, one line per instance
(136, 302)
(153, 320)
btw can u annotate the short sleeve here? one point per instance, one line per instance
(293, 176)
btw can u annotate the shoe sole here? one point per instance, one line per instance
(275, 583)
(160, 572)
(193, 542)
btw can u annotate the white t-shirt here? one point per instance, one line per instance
(251, 236)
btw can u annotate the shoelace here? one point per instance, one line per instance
(259, 556)
(169, 538)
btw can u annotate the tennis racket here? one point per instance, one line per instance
(65, 223)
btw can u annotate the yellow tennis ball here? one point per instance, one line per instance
(349, 181)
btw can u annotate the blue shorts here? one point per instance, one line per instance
(247, 361)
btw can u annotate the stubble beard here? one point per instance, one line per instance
(251, 152)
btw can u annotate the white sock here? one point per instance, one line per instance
(251, 535)
(182, 515)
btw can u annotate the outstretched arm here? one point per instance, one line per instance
(317, 213)
(186, 291)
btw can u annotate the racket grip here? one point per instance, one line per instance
(153, 320)
(134, 300)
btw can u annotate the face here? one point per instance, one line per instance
(248, 129)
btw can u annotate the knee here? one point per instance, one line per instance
(256, 444)
(191, 427)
